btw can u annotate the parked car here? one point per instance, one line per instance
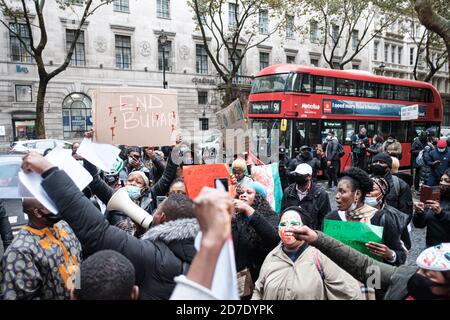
(9, 189)
(40, 146)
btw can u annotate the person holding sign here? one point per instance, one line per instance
(429, 280)
(435, 214)
(296, 271)
(351, 191)
(254, 230)
(393, 221)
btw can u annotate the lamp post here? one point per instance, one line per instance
(162, 40)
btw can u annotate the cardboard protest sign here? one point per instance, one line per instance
(231, 117)
(135, 116)
(269, 177)
(198, 176)
(354, 234)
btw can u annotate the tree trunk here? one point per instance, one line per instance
(40, 101)
(227, 99)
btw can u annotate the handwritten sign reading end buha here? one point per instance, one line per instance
(135, 116)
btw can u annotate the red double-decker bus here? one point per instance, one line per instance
(314, 101)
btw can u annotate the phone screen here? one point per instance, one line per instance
(221, 184)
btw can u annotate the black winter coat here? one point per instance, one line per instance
(438, 225)
(391, 231)
(425, 170)
(401, 199)
(253, 239)
(166, 253)
(147, 201)
(316, 204)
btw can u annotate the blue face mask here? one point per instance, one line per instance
(134, 192)
(371, 201)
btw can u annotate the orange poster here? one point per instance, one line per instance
(135, 116)
(198, 176)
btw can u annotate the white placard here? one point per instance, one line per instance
(2, 130)
(64, 160)
(409, 112)
(101, 155)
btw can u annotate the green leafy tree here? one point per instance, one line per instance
(34, 39)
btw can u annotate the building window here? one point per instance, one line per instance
(202, 97)
(23, 93)
(375, 50)
(290, 27)
(163, 9)
(335, 34)
(167, 56)
(77, 119)
(263, 60)
(204, 124)
(400, 55)
(313, 32)
(314, 62)
(78, 55)
(386, 52)
(123, 52)
(263, 21)
(290, 59)
(201, 59)
(18, 49)
(233, 14)
(121, 6)
(355, 39)
(355, 66)
(393, 48)
(411, 56)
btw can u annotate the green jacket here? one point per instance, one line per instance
(393, 280)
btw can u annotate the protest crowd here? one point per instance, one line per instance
(152, 229)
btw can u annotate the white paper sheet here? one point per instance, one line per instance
(224, 285)
(101, 155)
(64, 161)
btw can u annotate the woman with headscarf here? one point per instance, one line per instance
(254, 228)
(296, 271)
(352, 189)
(393, 221)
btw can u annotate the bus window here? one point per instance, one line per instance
(299, 135)
(323, 85)
(345, 87)
(370, 89)
(399, 130)
(421, 95)
(302, 83)
(349, 131)
(313, 132)
(336, 126)
(401, 93)
(386, 91)
(360, 88)
(272, 83)
(384, 128)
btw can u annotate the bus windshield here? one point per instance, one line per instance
(272, 83)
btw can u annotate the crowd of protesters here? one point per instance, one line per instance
(279, 256)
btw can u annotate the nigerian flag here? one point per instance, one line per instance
(269, 176)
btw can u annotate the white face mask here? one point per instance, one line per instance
(441, 149)
(371, 201)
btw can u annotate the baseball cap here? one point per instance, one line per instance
(435, 258)
(305, 148)
(442, 144)
(303, 169)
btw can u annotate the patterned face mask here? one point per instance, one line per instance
(289, 220)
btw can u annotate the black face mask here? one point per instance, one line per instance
(52, 218)
(420, 288)
(301, 180)
(379, 170)
(445, 191)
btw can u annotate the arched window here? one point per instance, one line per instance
(77, 117)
